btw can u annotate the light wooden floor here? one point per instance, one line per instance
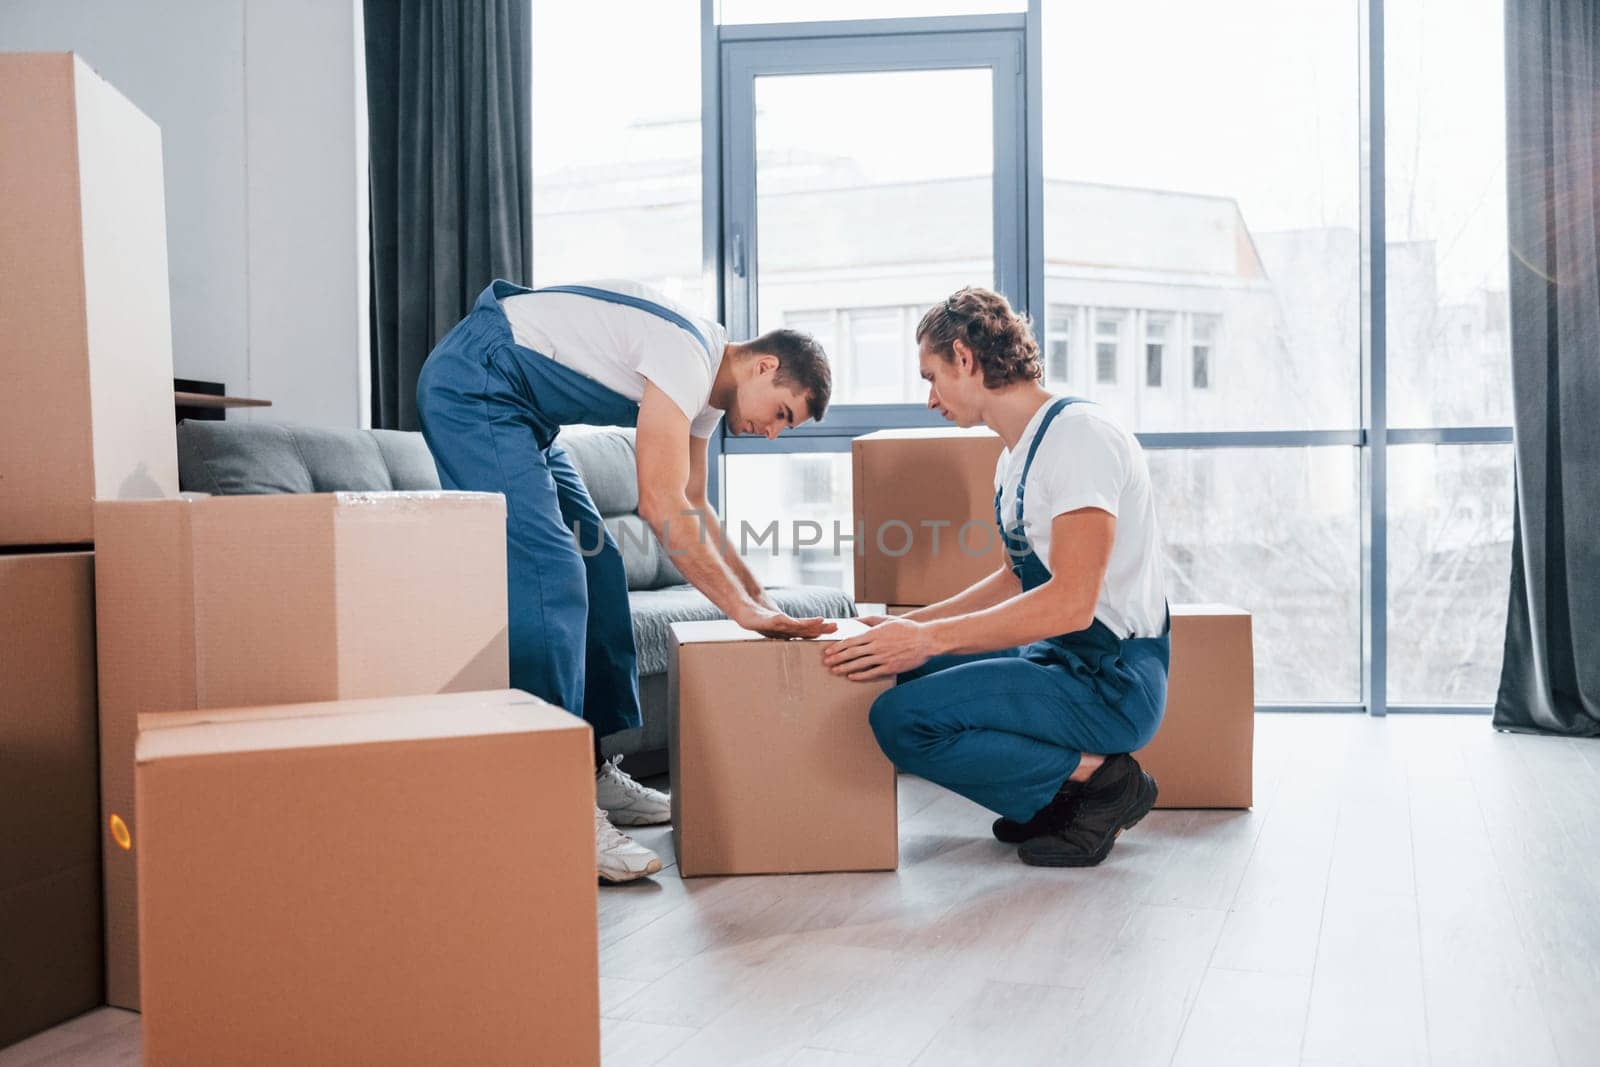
(1409, 891)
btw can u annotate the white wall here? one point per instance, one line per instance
(265, 157)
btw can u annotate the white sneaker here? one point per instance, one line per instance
(626, 801)
(619, 857)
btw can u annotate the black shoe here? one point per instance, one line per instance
(1115, 797)
(1052, 816)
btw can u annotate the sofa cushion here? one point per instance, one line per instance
(655, 610)
(640, 551)
(605, 459)
(410, 463)
(265, 457)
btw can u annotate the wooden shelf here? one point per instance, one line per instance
(207, 400)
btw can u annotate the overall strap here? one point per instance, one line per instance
(1056, 407)
(640, 303)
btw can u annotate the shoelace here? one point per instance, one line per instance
(610, 836)
(614, 771)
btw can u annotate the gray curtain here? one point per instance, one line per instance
(450, 166)
(1551, 678)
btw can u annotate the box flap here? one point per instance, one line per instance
(163, 720)
(361, 722)
(929, 433)
(726, 631)
(1206, 609)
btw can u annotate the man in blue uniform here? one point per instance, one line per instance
(492, 397)
(1029, 691)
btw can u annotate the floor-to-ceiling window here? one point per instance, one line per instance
(1193, 259)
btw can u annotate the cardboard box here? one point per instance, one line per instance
(924, 510)
(85, 326)
(1202, 756)
(401, 881)
(209, 602)
(51, 962)
(774, 766)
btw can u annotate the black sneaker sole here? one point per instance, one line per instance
(1143, 801)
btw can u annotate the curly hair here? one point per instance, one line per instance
(1001, 340)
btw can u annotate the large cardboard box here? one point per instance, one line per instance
(774, 766)
(51, 965)
(1202, 756)
(211, 602)
(924, 510)
(85, 326)
(401, 881)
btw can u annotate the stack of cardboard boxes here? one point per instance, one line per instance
(925, 530)
(85, 414)
(358, 875)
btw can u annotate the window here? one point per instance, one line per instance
(758, 11)
(616, 184)
(843, 198)
(1211, 219)
(1058, 343)
(1202, 187)
(880, 357)
(1107, 346)
(1450, 516)
(821, 325)
(780, 514)
(1296, 566)
(1155, 347)
(1448, 338)
(1203, 335)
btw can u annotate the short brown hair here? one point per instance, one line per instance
(1001, 340)
(802, 364)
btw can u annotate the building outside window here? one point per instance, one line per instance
(1058, 343)
(1156, 329)
(880, 363)
(1202, 346)
(1107, 346)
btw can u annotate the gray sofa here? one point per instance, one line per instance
(258, 457)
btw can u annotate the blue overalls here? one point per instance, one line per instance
(490, 411)
(1007, 728)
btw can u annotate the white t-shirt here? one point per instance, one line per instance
(622, 347)
(1087, 461)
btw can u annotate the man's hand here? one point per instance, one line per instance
(769, 622)
(891, 647)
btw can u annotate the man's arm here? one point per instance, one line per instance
(663, 464)
(695, 490)
(1080, 549)
(986, 592)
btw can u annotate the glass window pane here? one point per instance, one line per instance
(781, 511)
(1105, 363)
(1059, 369)
(616, 184)
(854, 213)
(1449, 327)
(1215, 174)
(1275, 531)
(1449, 571)
(755, 11)
(882, 356)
